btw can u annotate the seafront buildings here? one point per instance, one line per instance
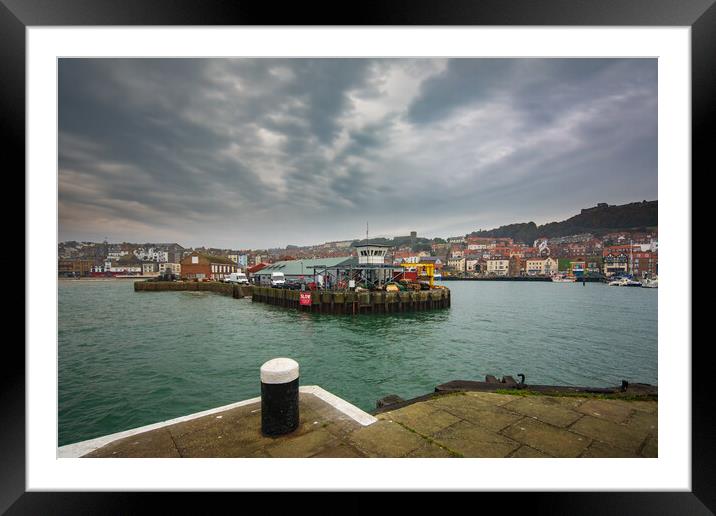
(598, 255)
(576, 255)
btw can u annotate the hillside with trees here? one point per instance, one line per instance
(603, 218)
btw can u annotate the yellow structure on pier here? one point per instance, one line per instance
(423, 269)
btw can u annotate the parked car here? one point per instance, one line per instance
(293, 285)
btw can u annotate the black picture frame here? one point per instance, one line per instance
(700, 15)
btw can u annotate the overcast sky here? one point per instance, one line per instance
(255, 153)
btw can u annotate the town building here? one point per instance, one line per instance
(207, 266)
(436, 261)
(150, 268)
(471, 264)
(169, 267)
(577, 268)
(498, 266)
(644, 264)
(622, 248)
(254, 269)
(456, 251)
(126, 265)
(372, 254)
(305, 270)
(456, 264)
(151, 254)
(541, 266)
(616, 263)
(75, 267)
(517, 266)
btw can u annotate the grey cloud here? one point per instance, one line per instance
(263, 152)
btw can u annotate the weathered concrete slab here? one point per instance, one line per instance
(649, 407)
(421, 418)
(614, 434)
(305, 445)
(236, 432)
(479, 413)
(471, 440)
(555, 411)
(491, 398)
(651, 447)
(602, 450)
(340, 451)
(549, 439)
(153, 444)
(644, 422)
(617, 411)
(386, 439)
(457, 424)
(431, 450)
(527, 452)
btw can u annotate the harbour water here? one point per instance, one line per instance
(129, 358)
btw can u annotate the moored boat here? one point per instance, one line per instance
(650, 283)
(624, 282)
(563, 278)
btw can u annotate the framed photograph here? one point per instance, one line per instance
(284, 154)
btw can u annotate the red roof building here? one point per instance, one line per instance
(644, 264)
(256, 268)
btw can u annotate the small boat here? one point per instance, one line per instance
(624, 282)
(562, 278)
(631, 283)
(650, 283)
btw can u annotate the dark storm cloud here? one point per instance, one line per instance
(263, 152)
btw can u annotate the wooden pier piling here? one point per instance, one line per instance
(324, 302)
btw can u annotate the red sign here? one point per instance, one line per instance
(305, 298)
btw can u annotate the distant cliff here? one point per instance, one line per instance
(598, 220)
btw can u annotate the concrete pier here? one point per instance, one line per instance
(328, 302)
(456, 424)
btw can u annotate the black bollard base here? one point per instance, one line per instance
(279, 396)
(279, 407)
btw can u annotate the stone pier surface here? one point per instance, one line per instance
(459, 424)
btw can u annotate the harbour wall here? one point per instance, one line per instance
(496, 278)
(515, 278)
(328, 302)
(348, 302)
(227, 289)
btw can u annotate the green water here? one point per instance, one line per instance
(129, 358)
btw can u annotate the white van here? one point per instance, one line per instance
(278, 279)
(237, 277)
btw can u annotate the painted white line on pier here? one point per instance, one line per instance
(84, 447)
(340, 404)
(81, 448)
